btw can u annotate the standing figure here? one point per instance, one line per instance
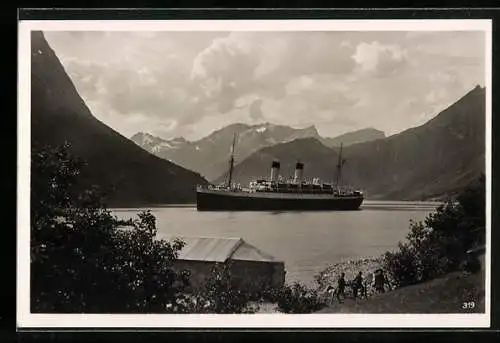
(341, 287)
(380, 281)
(367, 283)
(358, 285)
(330, 292)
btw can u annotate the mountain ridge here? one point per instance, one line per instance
(354, 137)
(432, 160)
(129, 174)
(209, 155)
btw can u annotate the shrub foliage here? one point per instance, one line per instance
(297, 298)
(439, 244)
(83, 259)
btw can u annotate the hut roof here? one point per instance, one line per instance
(248, 252)
(216, 249)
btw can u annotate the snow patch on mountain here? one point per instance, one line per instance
(146, 139)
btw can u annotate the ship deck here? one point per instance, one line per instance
(278, 195)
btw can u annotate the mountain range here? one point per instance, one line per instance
(354, 137)
(430, 161)
(129, 174)
(210, 155)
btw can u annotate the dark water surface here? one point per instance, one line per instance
(306, 241)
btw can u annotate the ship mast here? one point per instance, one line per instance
(231, 163)
(339, 166)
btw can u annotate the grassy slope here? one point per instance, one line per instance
(441, 295)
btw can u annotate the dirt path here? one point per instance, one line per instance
(443, 295)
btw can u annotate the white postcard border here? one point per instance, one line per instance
(25, 319)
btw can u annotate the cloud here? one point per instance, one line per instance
(299, 84)
(255, 110)
(252, 62)
(191, 83)
(224, 70)
(379, 58)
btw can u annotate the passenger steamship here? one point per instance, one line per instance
(275, 194)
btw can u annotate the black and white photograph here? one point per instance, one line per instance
(301, 173)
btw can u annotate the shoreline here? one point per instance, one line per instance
(328, 277)
(369, 202)
(351, 267)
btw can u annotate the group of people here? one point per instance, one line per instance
(358, 285)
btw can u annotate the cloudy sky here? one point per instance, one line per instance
(191, 83)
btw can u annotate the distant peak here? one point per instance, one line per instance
(38, 35)
(311, 140)
(372, 129)
(138, 134)
(311, 130)
(264, 124)
(235, 126)
(146, 136)
(477, 89)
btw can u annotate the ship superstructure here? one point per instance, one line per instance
(276, 193)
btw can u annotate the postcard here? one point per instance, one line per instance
(254, 174)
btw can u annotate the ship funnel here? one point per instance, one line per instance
(299, 171)
(275, 170)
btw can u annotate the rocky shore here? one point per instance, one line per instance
(329, 277)
(351, 267)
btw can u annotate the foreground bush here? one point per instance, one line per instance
(297, 298)
(221, 296)
(83, 259)
(402, 265)
(216, 296)
(439, 245)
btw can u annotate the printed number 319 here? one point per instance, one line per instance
(468, 305)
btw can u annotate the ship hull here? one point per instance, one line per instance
(241, 201)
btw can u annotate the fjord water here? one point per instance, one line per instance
(306, 241)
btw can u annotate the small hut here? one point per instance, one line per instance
(252, 270)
